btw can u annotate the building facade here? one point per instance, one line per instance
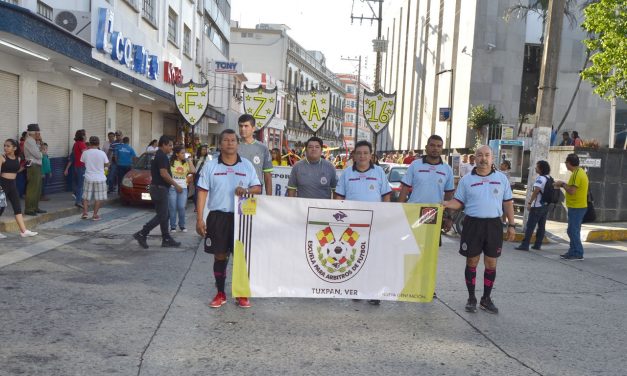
(106, 65)
(455, 54)
(350, 111)
(268, 49)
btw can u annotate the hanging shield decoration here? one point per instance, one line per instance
(378, 109)
(261, 104)
(192, 100)
(313, 107)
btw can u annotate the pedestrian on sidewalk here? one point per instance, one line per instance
(159, 187)
(363, 181)
(256, 152)
(112, 177)
(484, 194)
(46, 171)
(95, 185)
(312, 176)
(577, 204)
(124, 156)
(21, 175)
(182, 170)
(202, 156)
(538, 209)
(221, 179)
(33, 156)
(78, 177)
(9, 167)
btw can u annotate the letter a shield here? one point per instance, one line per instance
(313, 107)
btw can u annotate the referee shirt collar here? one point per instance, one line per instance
(424, 160)
(370, 167)
(474, 171)
(220, 161)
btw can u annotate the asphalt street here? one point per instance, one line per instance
(84, 299)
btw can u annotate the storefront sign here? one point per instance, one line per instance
(227, 67)
(337, 249)
(172, 74)
(135, 57)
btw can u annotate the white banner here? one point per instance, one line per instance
(335, 249)
(280, 177)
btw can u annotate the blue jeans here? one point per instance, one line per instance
(120, 172)
(112, 177)
(176, 203)
(575, 219)
(79, 180)
(537, 216)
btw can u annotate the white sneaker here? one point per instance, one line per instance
(28, 233)
(183, 229)
(173, 229)
(2, 236)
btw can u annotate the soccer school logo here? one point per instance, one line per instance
(337, 244)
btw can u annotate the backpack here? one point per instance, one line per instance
(550, 195)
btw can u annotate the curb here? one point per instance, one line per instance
(30, 221)
(520, 236)
(606, 235)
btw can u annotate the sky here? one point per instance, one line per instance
(323, 25)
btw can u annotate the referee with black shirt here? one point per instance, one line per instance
(159, 186)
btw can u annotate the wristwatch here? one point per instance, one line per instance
(511, 225)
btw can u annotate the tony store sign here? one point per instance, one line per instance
(134, 56)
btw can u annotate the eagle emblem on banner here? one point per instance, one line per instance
(378, 109)
(261, 103)
(336, 251)
(313, 107)
(191, 100)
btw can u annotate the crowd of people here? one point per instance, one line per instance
(244, 166)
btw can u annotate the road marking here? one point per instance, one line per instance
(35, 249)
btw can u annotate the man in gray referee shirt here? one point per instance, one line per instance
(256, 152)
(312, 177)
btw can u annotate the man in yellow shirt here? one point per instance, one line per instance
(577, 205)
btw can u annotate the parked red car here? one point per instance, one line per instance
(135, 187)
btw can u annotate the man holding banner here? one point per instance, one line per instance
(255, 152)
(484, 194)
(313, 176)
(221, 179)
(363, 181)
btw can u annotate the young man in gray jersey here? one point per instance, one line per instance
(256, 152)
(313, 176)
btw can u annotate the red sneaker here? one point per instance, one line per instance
(243, 302)
(218, 301)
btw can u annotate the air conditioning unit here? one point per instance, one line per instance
(75, 22)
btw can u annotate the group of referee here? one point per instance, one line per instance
(245, 168)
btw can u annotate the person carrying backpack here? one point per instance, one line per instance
(543, 195)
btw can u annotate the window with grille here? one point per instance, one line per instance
(14, 2)
(148, 10)
(44, 10)
(187, 36)
(198, 52)
(172, 26)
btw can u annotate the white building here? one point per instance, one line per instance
(268, 49)
(489, 60)
(106, 65)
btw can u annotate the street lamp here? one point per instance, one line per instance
(450, 103)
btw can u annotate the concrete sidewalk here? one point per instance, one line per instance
(60, 205)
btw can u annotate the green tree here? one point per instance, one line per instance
(606, 22)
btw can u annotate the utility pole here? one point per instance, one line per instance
(357, 94)
(379, 46)
(546, 93)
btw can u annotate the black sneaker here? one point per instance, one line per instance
(170, 242)
(374, 302)
(521, 248)
(565, 255)
(471, 305)
(573, 258)
(486, 304)
(537, 248)
(141, 239)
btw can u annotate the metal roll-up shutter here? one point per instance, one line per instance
(145, 129)
(9, 106)
(53, 116)
(95, 117)
(124, 120)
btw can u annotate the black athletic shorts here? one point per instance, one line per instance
(481, 235)
(220, 232)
